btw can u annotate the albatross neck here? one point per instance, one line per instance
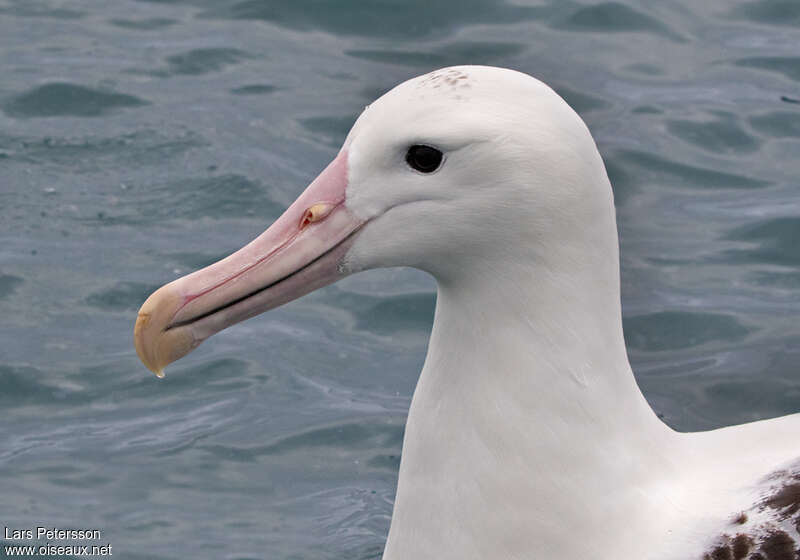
(526, 414)
(540, 350)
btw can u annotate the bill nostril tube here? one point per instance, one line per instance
(315, 213)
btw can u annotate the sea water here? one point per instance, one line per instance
(142, 140)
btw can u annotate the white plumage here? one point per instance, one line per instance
(527, 436)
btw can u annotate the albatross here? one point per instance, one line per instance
(527, 436)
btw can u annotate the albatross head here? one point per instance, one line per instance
(467, 173)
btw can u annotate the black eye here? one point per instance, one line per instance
(424, 158)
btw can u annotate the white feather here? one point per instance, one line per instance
(527, 436)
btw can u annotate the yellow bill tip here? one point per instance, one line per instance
(156, 345)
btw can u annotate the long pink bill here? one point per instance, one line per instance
(299, 253)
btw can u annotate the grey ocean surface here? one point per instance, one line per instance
(142, 140)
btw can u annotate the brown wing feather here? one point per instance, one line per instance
(775, 538)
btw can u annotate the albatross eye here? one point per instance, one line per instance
(424, 158)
